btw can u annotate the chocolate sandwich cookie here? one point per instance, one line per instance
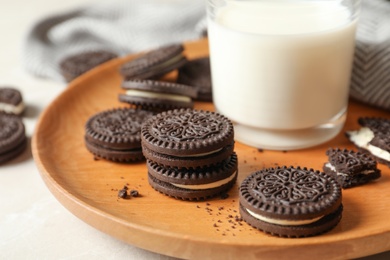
(115, 134)
(11, 101)
(373, 137)
(193, 184)
(155, 63)
(291, 202)
(186, 138)
(13, 139)
(157, 95)
(351, 168)
(190, 153)
(197, 73)
(73, 66)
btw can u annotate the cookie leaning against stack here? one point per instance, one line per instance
(154, 63)
(189, 153)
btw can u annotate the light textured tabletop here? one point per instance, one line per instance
(33, 224)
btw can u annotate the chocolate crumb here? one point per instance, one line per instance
(215, 225)
(122, 193)
(208, 204)
(198, 206)
(96, 158)
(134, 193)
(260, 150)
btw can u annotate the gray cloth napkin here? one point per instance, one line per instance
(120, 26)
(130, 26)
(370, 81)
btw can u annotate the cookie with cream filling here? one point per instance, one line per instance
(351, 168)
(11, 101)
(373, 138)
(190, 153)
(156, 95)
(13, 140)
(114, 134)
(181, 135)
(193, 184)
(291, 202)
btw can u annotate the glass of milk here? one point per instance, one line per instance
(281, 68)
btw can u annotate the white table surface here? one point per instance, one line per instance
(33, 224)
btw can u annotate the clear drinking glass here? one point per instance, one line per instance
(281, 68)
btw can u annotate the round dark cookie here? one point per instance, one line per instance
(187, 132)
(115, 134)
(73, 66)
(12, 98)
(13, 139)
(283, 194)
(178, 183)
(197, 73)
(189, 162)
(154, 63)
(157, 95)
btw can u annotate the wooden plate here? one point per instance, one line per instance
(209, 229)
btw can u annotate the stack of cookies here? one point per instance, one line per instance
(190, 153)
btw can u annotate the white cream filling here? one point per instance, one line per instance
(12, 108)
(362, 138)
(171, 61)
(207, 185)
(283, 222)
(330, 166)
(149, 94)
(200, 154)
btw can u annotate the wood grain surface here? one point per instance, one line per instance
(207, 229)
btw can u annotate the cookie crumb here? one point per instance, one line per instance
(134, 193)
(122, 193)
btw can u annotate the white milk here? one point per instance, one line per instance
(281, 69)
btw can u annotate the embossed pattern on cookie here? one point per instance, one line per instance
(290, 202)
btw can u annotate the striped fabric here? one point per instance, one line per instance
(128, 26)
(370, 81)
(120, 26)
